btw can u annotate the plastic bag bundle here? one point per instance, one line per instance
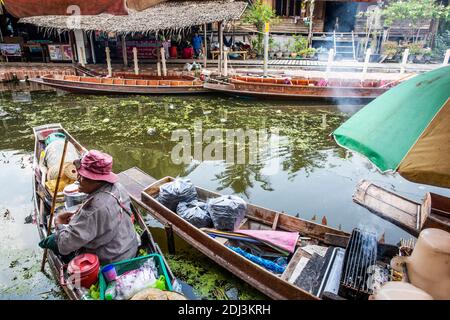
(196, 213)
(227, 212)
(131, 282)
(54, 151)
(179, 190)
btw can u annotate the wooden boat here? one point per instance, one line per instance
(282, 286)
(118, 84)
(411, 216)
(300, 88)
(42, 203)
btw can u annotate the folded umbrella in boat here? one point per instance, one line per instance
(406, 129)
(281, 241)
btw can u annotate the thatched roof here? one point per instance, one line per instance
(165, 16)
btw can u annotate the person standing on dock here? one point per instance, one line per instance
(197, 44)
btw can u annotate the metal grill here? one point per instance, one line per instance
(361, 253)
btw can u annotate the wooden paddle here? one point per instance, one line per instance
(55, 193)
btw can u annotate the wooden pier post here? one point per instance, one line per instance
(170, 239)
(330, 59)
(135, 61)
(124, 51)
(404, 60)
(220, 46)
(163, 61)
(446, 58)
(366, 60)
(108, 61)
(225, 63)
(205, 45)
(91, 40)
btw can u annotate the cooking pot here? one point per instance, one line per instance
(85, 267)
(428, 267)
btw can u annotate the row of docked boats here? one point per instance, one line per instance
(324, 262)
(254, 86)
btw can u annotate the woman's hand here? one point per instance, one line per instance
(63, 218)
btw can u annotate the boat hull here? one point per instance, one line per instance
(42, 208)
(268, 283)
(92, 88)
(283, 92)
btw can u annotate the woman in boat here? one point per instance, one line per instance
(103, 224)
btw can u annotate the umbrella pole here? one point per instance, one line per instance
(55, 193)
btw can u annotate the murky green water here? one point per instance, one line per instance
(304, 173)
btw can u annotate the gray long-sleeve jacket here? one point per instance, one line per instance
(101, 226)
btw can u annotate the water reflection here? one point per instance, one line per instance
(314, 175)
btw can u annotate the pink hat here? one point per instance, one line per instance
(96, 165)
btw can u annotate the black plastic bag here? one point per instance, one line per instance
(195, 212)
(227, 212)
(179, 190)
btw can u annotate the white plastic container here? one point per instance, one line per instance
(72, 197)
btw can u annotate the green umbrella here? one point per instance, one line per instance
(407, 129)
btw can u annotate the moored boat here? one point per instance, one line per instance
(124, 84)
(42, 203)
(301, 88)
(316, 269)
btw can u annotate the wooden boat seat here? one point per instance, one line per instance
(107, 81)
(90, 80)
(72, 78)
(119, 81)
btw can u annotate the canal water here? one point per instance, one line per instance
(299, 169)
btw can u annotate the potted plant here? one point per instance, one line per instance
(307, 53)
(299, 44)
(390, 49)
(415, 49)
(278, 52)
(427, 55)
(285, 50)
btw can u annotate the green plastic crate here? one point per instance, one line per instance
(133, 264)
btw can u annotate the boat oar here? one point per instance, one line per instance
(55, 194)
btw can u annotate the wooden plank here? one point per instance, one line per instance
(275, 221)
(388, 205)
(336, 240)
(135, 180)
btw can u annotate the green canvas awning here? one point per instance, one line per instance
(406, 129)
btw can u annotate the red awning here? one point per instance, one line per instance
(29, 8)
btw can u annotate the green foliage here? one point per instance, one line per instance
(441, 43)
(300, 43)
(390, 48)
(415, 48)
(259, 14)
(414, 11)
(307, 53)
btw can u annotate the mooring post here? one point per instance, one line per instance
(446, 58)
(404, 60)
(108, 61)
(163, 61)
(135, 61)
(330, 59)
(170, 239)
(225, 62)
(366, 60)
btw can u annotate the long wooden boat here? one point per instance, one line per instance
(300, 88)
(411, 216)
(281, 286)
(42, 203)
(124, 84)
